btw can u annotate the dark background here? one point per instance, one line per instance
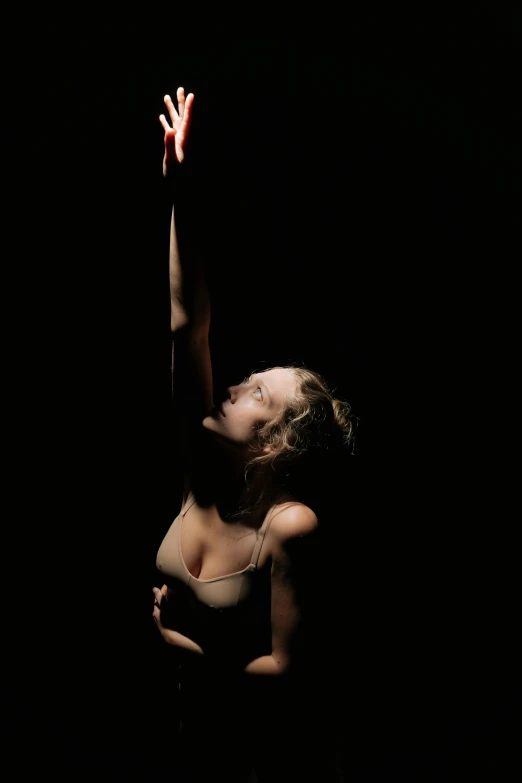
(358, 184)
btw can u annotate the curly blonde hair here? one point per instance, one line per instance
(311, 419)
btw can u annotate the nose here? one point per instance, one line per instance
(232, 393)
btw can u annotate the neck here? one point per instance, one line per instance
(221, 479)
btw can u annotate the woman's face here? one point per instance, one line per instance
(251, 404)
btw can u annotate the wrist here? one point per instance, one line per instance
(176, 181)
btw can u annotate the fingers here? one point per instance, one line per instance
(174, 116)
(187, 115)
(176, 133)
(164, 123)
(180, 93)
(180, 118)
(158, 595)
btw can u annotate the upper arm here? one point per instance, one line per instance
(293, 536)
(192, 393)
(191, 368)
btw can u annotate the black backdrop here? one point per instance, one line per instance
(358, 189)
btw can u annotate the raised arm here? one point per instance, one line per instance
(189, 299)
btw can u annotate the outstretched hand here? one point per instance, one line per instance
(176, 134)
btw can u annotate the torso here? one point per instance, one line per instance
(212, 548)
(221, 561)
(215, 594)
(218, 576)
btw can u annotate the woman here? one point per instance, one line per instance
(237, 560)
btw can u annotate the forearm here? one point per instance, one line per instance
(179, 316)
(178, 640)
(189, 299)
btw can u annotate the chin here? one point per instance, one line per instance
(212, 428)
(210, 420)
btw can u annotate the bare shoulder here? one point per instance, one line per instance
(293, 521)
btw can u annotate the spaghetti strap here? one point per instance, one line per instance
(262, 532)
(189, 503)
(261, 537)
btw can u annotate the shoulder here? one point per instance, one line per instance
(293, 547)
(291, 522)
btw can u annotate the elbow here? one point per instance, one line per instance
(178, 321)
(282, 663)
(195, 332)
(268, 665)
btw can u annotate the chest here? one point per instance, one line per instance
(211, 548)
